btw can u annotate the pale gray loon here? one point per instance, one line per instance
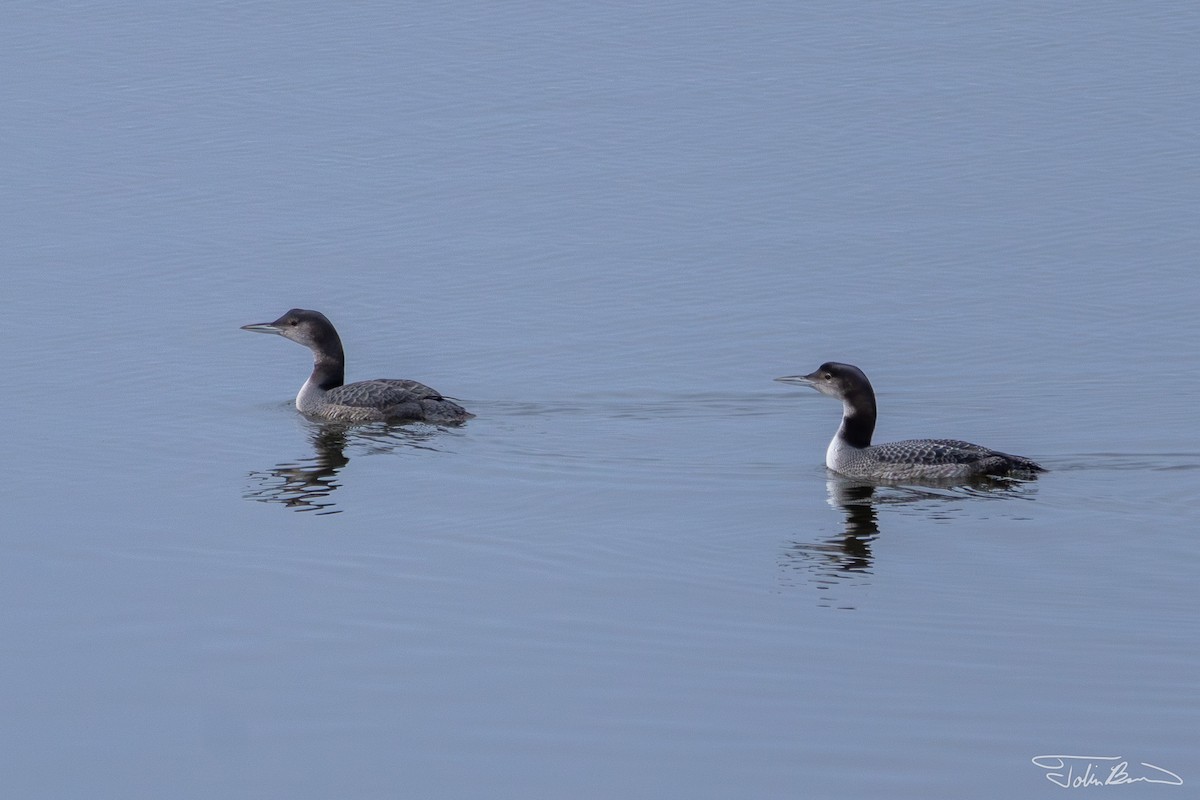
(326, 395)
(852, 454)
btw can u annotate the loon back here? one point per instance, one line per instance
(936, 459)
(387, 399)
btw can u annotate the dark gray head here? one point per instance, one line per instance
(309, 328)
(843, 381)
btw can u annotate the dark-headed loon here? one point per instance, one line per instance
(852, 454)
(326, 395)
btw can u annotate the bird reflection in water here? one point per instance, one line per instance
(845, 561)
(308, 484)
(846, 558)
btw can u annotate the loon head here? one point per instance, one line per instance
(309, 328)
(836, 380)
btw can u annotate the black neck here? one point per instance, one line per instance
(329, 360)
(328, 374)
(858, 417)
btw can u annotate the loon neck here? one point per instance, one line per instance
(858, 417)
(329, 360)
(327, 373)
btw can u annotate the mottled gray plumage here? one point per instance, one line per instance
(389, 399)
(327, 396)
(935, 459)
(851, 452)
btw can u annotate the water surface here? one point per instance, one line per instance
(605, 230)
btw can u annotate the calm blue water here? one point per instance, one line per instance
(606, 229)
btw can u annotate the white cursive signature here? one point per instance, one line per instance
(1074, 772)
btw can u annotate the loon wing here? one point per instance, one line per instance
(932, 451)
(381, 393)
(953, 451)
(399, 400)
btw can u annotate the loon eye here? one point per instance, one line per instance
(828, 376)
(293, 322)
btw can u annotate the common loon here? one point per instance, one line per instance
(852, 454)
(326, 395)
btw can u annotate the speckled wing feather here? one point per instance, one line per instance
(930, 451)
(951, 456)
(398, 400)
